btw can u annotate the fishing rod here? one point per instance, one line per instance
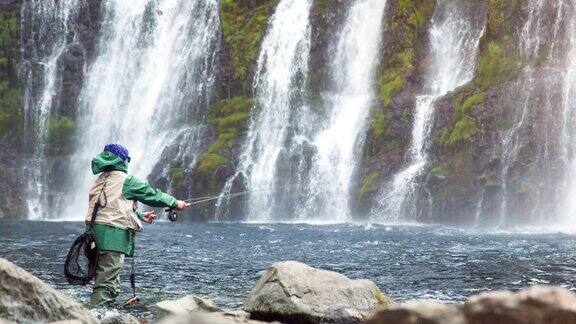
(173, 215)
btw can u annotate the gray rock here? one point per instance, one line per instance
(535, 305)
(3, 321)
(207, 318)
(293, 292)
(120, 319)
(420, 312)
(23, 297)
(185, 305)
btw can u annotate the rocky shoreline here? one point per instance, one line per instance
(292, 292)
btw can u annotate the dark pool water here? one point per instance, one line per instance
(223, 261)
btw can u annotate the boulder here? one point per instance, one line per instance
(420, 312)
(293, 292)
(25, 298)
(207, 318)
(120, 319)
(185, 305)
(535, 305)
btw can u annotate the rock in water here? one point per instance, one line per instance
(25, 298)
(185, 305)
(535, 305)
(293, 292)
(419, 312)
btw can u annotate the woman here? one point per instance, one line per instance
(113, 203)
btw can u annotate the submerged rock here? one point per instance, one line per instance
(25, 298)
(185, 305)
(293, 292)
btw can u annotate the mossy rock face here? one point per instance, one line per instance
(475, 122)
(11, 118)
(209, 162)
(9, 42)
(243, 25)
(388, 136)
(229, 118)
(177, 176)
(404, 41)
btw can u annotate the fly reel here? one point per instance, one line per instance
(172, 215)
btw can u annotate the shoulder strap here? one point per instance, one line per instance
(98, 203)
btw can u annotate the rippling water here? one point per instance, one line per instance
(223, 261)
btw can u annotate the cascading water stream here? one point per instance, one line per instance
(353, 71)
(535, 35)
(282, 66)
(567, 139)
(154, 66)
(454, 41)
(49, 34)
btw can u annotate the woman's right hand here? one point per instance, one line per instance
(181, 205)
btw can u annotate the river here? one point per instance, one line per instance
(224, 261)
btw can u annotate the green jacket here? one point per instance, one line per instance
(115, 239)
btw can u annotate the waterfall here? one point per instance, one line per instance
(152, 75)
(567, 139)
(285, 124)
(47, 36)
(282, 66)
(539, 33)
(454, 39)
(341, 135)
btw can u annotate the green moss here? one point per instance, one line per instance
(462, 108)
(380, 123)
(440, 170)
(177, 176)
(242, 29)
(390, 86)
(495, 66)
(400, 59)
(410, 17)
(11, 118)
(60, 131)
(367, 183)
(229, 117)
(209, 162)
(9, 40)
(463, 126)
(463, 130)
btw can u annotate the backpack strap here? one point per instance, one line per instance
(98, 203)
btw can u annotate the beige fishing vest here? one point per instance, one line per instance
(115, 210)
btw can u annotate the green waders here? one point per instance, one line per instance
(107, 282)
